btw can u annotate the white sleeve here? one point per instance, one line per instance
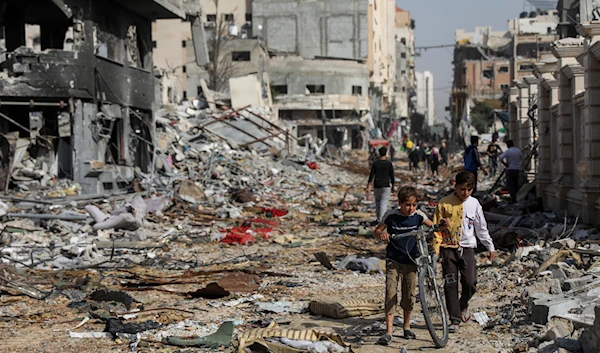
(422, 214)
(482, 231)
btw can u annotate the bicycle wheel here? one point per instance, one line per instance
(432, 305)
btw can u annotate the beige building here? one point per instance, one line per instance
(171, 38)
(382, 48)
(563, 100)
(404, 85)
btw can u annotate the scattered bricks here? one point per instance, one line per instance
(544, 309)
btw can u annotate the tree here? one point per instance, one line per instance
(221, 68)
(482, 116)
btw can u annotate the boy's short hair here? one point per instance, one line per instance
(382, 151)
(407, 192)
(474, 140)
(510, 143)
(465, 177)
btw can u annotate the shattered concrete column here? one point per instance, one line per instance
(513, 127)
(523, 123)
(548, 96)
(85, 147)
(575, 73)
(531, 132)
(568, 69)
(589, 171)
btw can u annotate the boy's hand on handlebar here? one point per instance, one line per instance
(492, 255)
(385, 236)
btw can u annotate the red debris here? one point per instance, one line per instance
(243, 234)
(275, 212)
(312, 165)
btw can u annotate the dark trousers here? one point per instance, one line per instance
(512, 182)
(453, 265)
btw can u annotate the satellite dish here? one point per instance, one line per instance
(523, 15)
(532, 14)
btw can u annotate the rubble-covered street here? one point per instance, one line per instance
(246, 241)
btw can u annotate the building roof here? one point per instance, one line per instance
(398, 9)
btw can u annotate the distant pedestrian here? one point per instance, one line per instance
(382, 176)
(392, 152)
(435, 161)
(415, 159)
(511, 158)
(472, 159)
(493, 151)
(444, 154)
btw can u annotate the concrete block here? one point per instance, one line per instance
(569, 344)
(559, 273)
(557, 328)
(555, 286)
(544, 309)
(576, 283)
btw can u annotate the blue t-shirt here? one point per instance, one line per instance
(403, 250)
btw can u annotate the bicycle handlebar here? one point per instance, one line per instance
(435, 228)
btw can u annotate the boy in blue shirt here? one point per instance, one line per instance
(400, 258)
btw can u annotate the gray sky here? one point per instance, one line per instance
(436, 21)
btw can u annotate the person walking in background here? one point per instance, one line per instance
(444, 154)
(415, 158)
(435, 161)
(382, 177)
(511, 158)
(472, 159)
(493, 151)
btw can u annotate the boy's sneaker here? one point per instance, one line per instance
(409, 335)
(384, 340)
(454, 328)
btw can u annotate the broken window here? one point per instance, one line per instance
(504, 87)
(488, 73)
(357, 90)
(211, 18)
(228, 17)
(503, 69)
(183, 44)
(526, 67)
(154, 44)
(403, 55)
(41, 28)
(280, 89)
(184, 69)
(315, 89)
(248, 17)
(240, 56)
(107, 38)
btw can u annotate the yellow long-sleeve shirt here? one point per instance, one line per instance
(450, 207)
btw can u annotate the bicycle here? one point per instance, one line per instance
(432, 303)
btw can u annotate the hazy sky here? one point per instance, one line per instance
(436, 21)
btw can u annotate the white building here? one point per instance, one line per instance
(425, 96)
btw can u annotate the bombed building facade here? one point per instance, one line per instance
(77, 90)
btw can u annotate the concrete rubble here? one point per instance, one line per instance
(223, 240)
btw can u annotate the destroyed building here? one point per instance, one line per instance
(79, 105)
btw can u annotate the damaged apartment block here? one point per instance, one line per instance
(77, 90)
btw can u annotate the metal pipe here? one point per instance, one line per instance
(64, 217)
(41, 104)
